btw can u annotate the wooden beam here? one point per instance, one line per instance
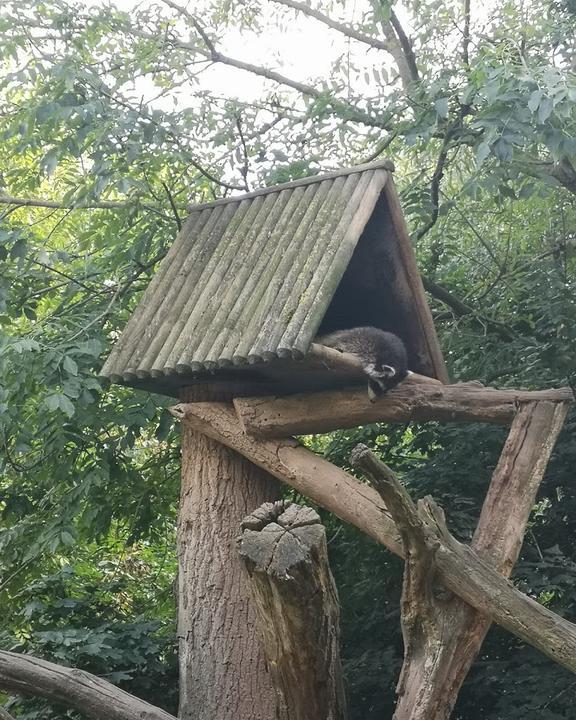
(460, 569)
(78, 689)
(327, 411)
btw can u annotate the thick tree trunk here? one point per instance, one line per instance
(223, 674)
(284, 548)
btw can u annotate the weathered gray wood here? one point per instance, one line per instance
(253, 287)
(334, 260)
(78, 689)
(498, 539)
(459, 568)
(121, 354)
(211, 283)
(256, 239)
(283, 546)
(295, 285)
(341, 172)
(411, 400)
(443, 634)
(412, 277)
(216, 614)
(424, 618)
(322, 200)
(182, 297)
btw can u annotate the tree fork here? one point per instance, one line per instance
(283, 546)
(443, 634)
(460, 568)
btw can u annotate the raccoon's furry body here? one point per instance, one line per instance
(382, 354)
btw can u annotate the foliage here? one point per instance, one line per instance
(112, 122)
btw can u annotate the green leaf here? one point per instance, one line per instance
(441, 106)
(52, 402)
(66, 405)
(545, 109)
(482, 153)
(70, 366)
(90, 347)
(19, 249)
(534, 100)
(503, 150)
(49, 162)
(67, 538)
(59, 401)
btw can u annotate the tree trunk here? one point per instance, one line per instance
(284, 548)
(223, 674)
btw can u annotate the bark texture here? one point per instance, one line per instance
(223, 674)
(327, 411)
(93, 697)
(443, 634)
(284, 548)
(460, 569)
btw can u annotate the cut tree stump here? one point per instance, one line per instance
(284, 549)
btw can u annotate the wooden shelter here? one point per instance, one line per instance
(251, 280)
(227, 325)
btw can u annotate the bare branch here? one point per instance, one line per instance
(39, 202)
(435, 185)
(406, 46)
(92, 696)
(172, 205)
(341, 27)
(466, 35)
(244, 169)
(399, 46)
(334, 105)
(461, 309)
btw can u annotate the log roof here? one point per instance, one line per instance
(249, 278)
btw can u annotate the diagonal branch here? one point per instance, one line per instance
(78, 689)
(460, 569)
(341, 27)
(39, 202)
(461, 309)
(399, 46)
(334, 105)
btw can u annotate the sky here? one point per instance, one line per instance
(303, 49)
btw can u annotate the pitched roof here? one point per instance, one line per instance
(249, 278)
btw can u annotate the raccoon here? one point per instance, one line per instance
(382, 354)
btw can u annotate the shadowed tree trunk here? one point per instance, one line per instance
(223, 673)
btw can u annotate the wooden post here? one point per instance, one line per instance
(284, 548)
(223, 673)
(443, 635)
